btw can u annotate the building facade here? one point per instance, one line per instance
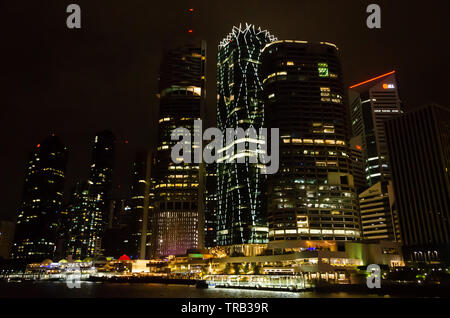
(419, 149)
(241, 217)
(379, 220)
(372, 102)
(6, 238)
(176, 221)
(36, 228)
(312, 197)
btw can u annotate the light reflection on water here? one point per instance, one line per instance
(143, 290)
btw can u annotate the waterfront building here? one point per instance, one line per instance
(419, 150)
(312, 197)
(241, 215)
(177, 219)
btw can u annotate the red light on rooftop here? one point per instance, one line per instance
(372, 79)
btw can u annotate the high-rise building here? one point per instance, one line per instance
(379, 220)
(241, 217)
(137, 218)
(35, 238)
(312, 198)
(210, 205)
(419, 150)
(176, 221)
(372, 102)
(100, 181)
(358, 164)
(82, 242)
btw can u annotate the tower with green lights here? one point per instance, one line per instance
(241, 216)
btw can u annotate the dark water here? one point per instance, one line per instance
(138, 290)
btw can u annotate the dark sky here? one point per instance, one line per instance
(104, 76)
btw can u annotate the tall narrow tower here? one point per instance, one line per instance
(241, 218)
(177, 216)
(372, 102)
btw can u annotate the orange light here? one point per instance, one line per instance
(38, 145)
(190, 31)
(358, 147)
(385, 86)
(373, 79)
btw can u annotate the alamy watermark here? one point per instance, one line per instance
(241, 146)
(374, 278)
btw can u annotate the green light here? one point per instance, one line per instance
(323, 69)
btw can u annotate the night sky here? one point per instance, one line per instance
(104, 76)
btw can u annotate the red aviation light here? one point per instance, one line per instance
(191, 10)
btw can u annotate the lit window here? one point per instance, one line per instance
(323, 69)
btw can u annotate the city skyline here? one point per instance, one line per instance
(135, 92)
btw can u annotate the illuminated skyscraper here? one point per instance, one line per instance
(312, 198)
(241, 217)
(177, 220)
(373, 102)
(100, 180)
(35, 238)
(89, 208)
(82, 240)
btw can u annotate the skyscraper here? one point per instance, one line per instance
(177, 218)
(372, 102)
(137, 219)
(419, 150)
(89, 208)
(100, 181)
(241, 217)
(35, 238)
(312, 198)
(82, 233)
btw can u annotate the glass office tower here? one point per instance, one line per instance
(312, 197)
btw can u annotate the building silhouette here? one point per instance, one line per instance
(419, 150)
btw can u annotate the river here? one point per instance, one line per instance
(42, 289)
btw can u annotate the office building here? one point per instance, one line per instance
(312, 198)
(379, 220)
(419, 150)
(241, 217)
(36, 228)
(177, 218)
(372, 102)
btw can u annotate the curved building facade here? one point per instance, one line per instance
(312, 197)
(240, 211)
